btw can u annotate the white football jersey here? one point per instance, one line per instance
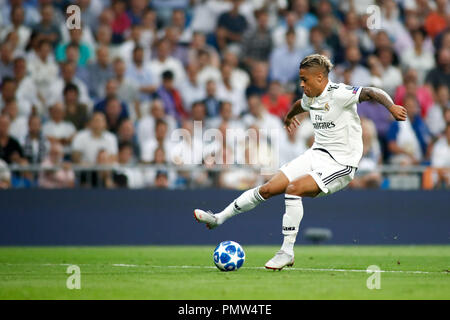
(337, 127)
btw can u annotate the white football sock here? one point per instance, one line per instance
(245, 202)
(291, 222)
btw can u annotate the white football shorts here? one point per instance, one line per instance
(329, 175)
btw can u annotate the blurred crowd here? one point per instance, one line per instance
(114, 91)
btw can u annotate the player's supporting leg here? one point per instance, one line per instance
(301, 187)
(245, 202)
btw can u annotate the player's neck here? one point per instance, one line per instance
(322, 89)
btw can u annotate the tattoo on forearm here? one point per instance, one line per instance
(371, 93)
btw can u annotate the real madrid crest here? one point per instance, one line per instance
(327, 107)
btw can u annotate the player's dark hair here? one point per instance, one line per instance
(317, 60)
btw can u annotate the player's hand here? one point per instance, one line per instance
(291, 123)
(398, 112)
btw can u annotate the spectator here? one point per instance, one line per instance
(207, 70)
(296, 141)
(301, 33)
(231, 26)
(17, 25)
(128, 90)
(146, 125)
(160, 139)
(212, 100)
(284, 59)
(76, 40)
(103, 178)
(371, 158)
(6, 60)
(129, 177)
(358, 74)
(177, 50)
(10, 149)
(276, 101)
(391, 77)
(225, 117)
(113, 114)
(259, 117)
(382, 119)
(5, 175)
(121, 21)
(99, 73)
(43, 70)
(198, 113)
(435, 118)
(35, 145)
(440, 158)
(259, 79)
(179, 21)
(161, 180)
(68, 71)
(165, 62)
(160, 159)
(410, 86)
(226, 91)
(257, 43)
(437, 20)
(126, 134)
(316, 42)
(408, 140)
(306, 19)
(171, 97)
(328, 26)
(26, 92)
(197, 45)
(136, 11)
(47, 27)
(53, 177)
(239, 77)
(190, 88)
(111, 89)
(441, 73)
(76, 112)
(149, 26)
(18, 128)
(417, 57)
(88, 142)
(141, 73)
(58, 130)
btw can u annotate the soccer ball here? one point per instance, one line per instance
(229, 256)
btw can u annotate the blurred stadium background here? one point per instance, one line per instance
(97, 107)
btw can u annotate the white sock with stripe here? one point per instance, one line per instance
(245, 202)
(291, 222)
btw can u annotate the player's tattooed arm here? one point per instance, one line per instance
(291, 121)
(380, 96)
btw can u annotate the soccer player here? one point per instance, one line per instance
(327, 167)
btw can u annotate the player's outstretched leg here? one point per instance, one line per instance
(245, 202)
(304, 186)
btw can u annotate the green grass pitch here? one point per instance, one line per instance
(188, 272)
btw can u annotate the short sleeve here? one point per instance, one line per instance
(348, 95)
(77, 143)
(306, 102)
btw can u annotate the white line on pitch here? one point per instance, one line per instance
(213, 267)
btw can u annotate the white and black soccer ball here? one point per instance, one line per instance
(229, 256)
